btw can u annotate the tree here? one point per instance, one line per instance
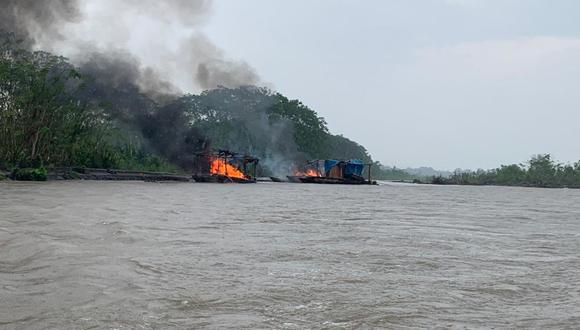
(46, 118)
(310, 131)
(39, 120)
(268, 125)
(542, 171)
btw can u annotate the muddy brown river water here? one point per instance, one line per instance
(129, 255)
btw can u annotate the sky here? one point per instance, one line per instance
(442, 83)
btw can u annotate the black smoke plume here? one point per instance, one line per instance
(146, 96)
(32, 20)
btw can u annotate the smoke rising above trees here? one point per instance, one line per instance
(174, 53)
(97, 36)
(130, 89)
(37, 21)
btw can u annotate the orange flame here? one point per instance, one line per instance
(308, 172)
(221, 167)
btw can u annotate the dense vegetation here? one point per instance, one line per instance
(53, 114)
(281, 132)
(393, 173)
(46, 120)
(540, 171)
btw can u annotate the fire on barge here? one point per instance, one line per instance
(224, 166)
(332, 171)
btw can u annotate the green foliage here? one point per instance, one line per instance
(380, 172)
(439, 180)
(3, 176)
(339, 147)
(310, 132)
(236, 119)
(42, 121)
(540, 171)
(113, 149)
(30, 174)
(264, 123)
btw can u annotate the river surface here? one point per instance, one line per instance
(132, 255)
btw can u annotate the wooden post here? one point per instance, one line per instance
(226, 165)
(255, 168)
(370, 165)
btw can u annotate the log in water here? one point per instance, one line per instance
(130, 255)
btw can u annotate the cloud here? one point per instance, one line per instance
(489, 102)
(503, 59)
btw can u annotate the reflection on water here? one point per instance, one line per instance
(83, 255)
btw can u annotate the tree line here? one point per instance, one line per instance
(46, 120)
(540, 171)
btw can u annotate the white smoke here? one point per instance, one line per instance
(166, 38)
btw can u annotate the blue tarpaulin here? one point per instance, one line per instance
(353, 166)
(329, 164)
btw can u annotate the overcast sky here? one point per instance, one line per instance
(444, 83)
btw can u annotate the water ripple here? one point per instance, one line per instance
(84, 255)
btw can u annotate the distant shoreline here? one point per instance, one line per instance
(97, 174)
(523, 185)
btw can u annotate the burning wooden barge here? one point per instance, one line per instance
(331, 171)
(224, 166)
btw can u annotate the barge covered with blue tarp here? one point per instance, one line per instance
(332, 171)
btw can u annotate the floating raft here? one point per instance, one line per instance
(295, 179)
(326, 180)
(332, 171)
(100, 174)
(224, 166)
(218, 178)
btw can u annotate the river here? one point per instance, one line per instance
(133, 255)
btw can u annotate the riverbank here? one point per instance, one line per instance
(113, 175)
(96, 174)
(439, 181)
